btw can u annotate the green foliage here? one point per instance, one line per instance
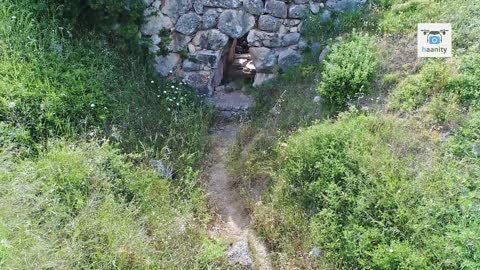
(467, 84)
(53, 85)
(83, 205)
(349, 69)
(415, 90)
(377, 197)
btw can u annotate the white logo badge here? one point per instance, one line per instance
(434, 40)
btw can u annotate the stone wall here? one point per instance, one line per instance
(191, 37)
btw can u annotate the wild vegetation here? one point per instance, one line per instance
(81, 115)
(392, 182)
(368, 160)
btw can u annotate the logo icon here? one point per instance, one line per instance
(434, 40)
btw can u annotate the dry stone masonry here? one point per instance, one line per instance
(193, 38)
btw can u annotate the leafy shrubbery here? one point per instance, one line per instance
(376, 195)
(349, 69)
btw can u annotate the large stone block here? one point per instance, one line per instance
(154, 22)
(276, 8)
(201, 81)
(269, 23)
(255, 7)
(297, 11)
(236, 23)
(188, 23)
(209, 19)
(345, 5)
(206, 58)
(222, 3)
(212, 39)
(288, 58)
(264, 59)
(176, 8)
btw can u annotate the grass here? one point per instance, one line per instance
(80, 119)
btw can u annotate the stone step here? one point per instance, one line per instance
(231, 104)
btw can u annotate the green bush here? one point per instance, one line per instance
(349, 69)
(377, 196)
(417, 89)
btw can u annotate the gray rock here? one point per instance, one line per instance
(317, 100)
(179, 42)
(239, 254)
(222, 3)
(200, 81)
(276, 8)
(345, 5)
(326, 16)
(235, 23)
(191, 66)
(271, 40)
(269, 23)
(300, 1)
(175, 8)
(290, 39)
(288, 58)
(154, 22)
(261, 78)
(297, 11)
(213, 39)
(198, 6)
(206, 58)
(264, 59)
(210, 18)
(323, 55)
(302, 44)
(161, 169)
(314, 7)
(315, 252)
(165, 65)
(255, 7)
(188, 23)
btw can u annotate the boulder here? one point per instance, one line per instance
(213, 39)
(264, 59)
(209, 18)
(179, 42)
(267, 39)
(239, 254)
(276, 8)
(345, 5)
(297, 11)
(154, 22)
(201, 81)
(314, 7)
(191, 66)
(269, 23)
(188, 23)
(235, 23)
(206, 58)
(222, 3)
(290, 39)
(255, 7)
(176, 8)
(165, 65)
(198, 6)
(288, 58)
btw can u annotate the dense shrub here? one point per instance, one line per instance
(83, 205)
(349, 69)
(377, 195)
(416, 89)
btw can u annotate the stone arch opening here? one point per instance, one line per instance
(239, 67)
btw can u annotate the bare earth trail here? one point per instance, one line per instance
(232, 220)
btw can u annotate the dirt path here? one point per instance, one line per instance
(232, 221)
